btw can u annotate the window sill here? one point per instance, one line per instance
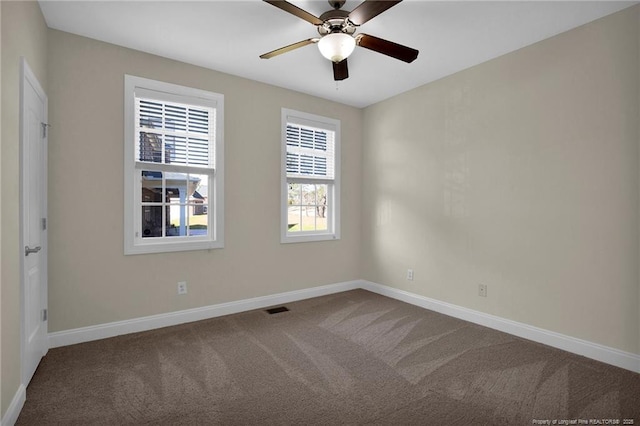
(288, 239)
(170, 247)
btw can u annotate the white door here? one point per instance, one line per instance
(33, 200)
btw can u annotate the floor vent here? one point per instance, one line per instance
(277, 310)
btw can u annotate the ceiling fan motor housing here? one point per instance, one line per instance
(336, 21)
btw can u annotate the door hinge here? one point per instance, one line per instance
(44, 315)
(44, 129)
(44, 223)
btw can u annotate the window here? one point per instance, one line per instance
(310, 177)
(173, 163)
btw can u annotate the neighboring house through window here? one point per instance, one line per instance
(310, 177)
(173, 167)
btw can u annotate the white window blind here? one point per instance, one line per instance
(310, 151)
(174, 133)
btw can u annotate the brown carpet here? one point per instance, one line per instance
(349, 358)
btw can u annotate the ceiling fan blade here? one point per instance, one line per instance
(288, 48)
(386, 47)
(295, 10)
(369, 9)
(340, 70)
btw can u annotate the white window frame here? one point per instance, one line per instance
(333, 192)
(134, 243)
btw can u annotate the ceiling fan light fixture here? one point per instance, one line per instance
(336, 47)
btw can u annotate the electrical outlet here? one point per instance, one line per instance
(182, 287)
(482, 290)
(410, 274)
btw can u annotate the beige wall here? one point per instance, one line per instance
(90, 280)
(520, 173)
(24, 33)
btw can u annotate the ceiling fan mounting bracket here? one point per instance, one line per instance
(337, 4)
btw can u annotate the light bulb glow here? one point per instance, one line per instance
(336, 46)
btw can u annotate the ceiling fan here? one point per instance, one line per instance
(337, 27)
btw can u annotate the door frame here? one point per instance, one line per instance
(28, 77)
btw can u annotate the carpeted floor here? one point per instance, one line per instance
(349, 358)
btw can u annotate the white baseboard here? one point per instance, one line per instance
(103, 331)
(11, 415)
(591, 350)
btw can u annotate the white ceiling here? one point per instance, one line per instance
(229, 36)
